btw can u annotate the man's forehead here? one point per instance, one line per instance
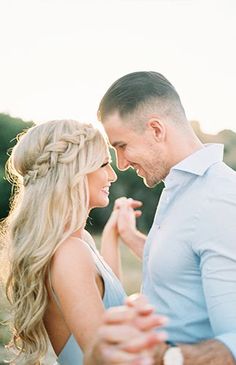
(115, 130)
(116, 137)
(112, 120)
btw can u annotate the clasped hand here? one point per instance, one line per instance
(127, 334)
(122, 222)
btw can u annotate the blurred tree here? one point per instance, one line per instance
(9, 128)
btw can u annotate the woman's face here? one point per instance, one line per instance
(99, 183)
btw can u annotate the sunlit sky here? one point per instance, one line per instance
(58, 57)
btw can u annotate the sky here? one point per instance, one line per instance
(58, 57)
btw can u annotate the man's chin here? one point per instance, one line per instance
(151, 183)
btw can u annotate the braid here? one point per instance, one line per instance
(62, 151)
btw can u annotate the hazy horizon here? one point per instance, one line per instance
(58, 57)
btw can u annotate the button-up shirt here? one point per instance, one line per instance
(189, 271)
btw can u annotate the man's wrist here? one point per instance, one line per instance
(135, 240)
(159, 353)
(173, 355)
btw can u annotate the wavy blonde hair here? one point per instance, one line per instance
(48, 166)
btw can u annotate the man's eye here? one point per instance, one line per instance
(122, 146)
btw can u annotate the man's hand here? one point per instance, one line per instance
(127, 336)
(204, 353)
(126, 224)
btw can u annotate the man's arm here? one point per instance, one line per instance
(217, 256)
(210, 352)
(204, 353)
(215, 248)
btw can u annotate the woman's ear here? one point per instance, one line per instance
(158, 128)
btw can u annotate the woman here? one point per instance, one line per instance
(58, 284)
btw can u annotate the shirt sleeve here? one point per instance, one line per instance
(216, 247)
(229, 339)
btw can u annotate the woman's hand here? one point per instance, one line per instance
(126, 225)
(123, 217)
(127, 216)
(110, 240)
(122, 223)
(127, 335)
(111, 226)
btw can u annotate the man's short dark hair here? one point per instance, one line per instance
(135, 89)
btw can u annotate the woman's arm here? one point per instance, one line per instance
(121, 224)
(76, 283)
(110, 248)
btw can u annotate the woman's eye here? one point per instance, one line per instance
(105, 164)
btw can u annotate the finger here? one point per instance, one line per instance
(146, 323)
(134, 203)
(140, 303)
(142, 321)
(120, 314)
(113, 355)
(119, 202)
(146, 341)
(137, 213)
(137, 300)
(117, 333)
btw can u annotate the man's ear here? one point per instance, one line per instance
(158, 128)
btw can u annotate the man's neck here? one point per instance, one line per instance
(184, 148)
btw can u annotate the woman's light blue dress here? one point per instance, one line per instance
(114, 295)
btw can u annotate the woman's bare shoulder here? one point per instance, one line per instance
(74, 252)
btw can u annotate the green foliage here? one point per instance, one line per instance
(9, 129)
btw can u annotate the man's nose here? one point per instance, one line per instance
(112, 175)
(122, 162)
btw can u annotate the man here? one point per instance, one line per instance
(189, 257)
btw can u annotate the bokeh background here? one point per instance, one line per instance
(58, 57)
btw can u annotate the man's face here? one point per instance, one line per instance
(136, 149)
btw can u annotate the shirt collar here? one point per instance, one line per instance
(198, 162)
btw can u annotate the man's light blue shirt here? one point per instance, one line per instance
(189, 262)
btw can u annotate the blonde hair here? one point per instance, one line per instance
(48, 166)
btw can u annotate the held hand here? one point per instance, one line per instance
(127, 335)
(111, 226)
(127, 217)
(123, 217)
(126, 224)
